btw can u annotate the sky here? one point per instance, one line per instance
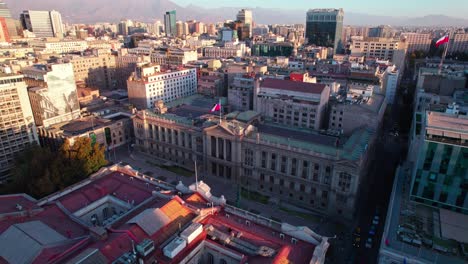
(454, 8)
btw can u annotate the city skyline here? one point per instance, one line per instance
(402, 8)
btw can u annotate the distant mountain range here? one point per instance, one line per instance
(90, 11)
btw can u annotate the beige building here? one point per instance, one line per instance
(125, 66)
(149, 84)
(304, 168)
(17, 128)
(417, 41)
(174, 56)
(52, 93)
(380, 48)
(290, 103)
(458, 43)
(96, 70)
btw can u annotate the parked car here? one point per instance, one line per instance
(372, 230)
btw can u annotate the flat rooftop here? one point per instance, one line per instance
(301, 87)
(447, 122)
(297, 134)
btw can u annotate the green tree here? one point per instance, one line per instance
(39, 171)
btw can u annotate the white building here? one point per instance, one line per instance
(57, 25)
(38, 22)
(149, 84)
(43, 24)
(16, 120)
(59, 47)
(390, 83)
(230, 49)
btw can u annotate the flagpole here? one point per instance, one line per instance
(443, 55)
(220, 109)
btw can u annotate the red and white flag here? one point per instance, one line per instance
(442, 40)
(216, 107)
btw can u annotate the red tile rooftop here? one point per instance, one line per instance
(301, 87)
(260, 235)
(8, 203)
(117, 240)
(53, 217)
(120, 186)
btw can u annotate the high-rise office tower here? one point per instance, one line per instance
(123, 28)
(4, 11)
(43, 24)
(324, 28)
(170, 23)
(245, 16)
(57, 25)
(17, 128)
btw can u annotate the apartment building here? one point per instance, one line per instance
(17, 128)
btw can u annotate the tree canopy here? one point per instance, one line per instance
(39, 171)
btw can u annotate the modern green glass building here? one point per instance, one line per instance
(324, 28)
(440, 176)
(273, 49)
(170, 23)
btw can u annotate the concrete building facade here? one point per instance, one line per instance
(241, 93)
(315, 171)
(380, 48)
(417, 41)
(95, 70)
(17, 128)
(297, 104)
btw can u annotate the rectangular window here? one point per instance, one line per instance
(264, 157)
(293, 166)
(228, 150)
(213, 146)
(284, 161)
(273, 162)
(220, 148)
(305, 169)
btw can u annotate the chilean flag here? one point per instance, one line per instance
(442, 40)
(216, 107)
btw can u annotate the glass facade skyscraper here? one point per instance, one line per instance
(440, 177)
(324, 27)
(170, 23)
